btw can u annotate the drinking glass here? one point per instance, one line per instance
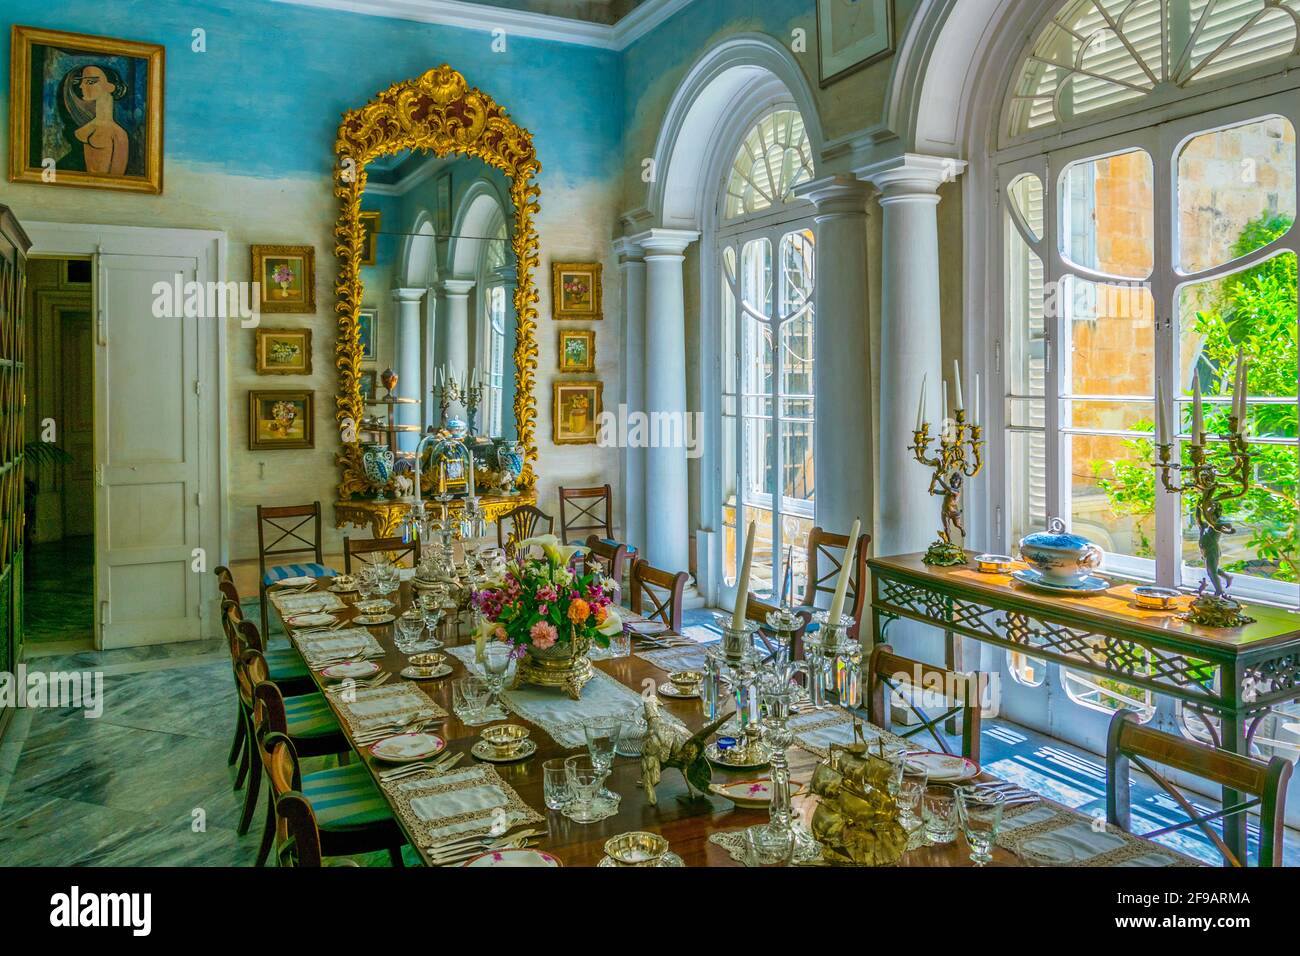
(473, 691)
(367, 582)
(431, 612)
(620, 644)
(980, 813)
(768, 846)
(602, 734)
(894, 753)
(911, 789)
(939, 810)
(496, 662)
(585, 779)
(631, 733)
(409, 627)
(555, 784)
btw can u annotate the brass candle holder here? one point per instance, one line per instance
(958, 456)
(1212, 490)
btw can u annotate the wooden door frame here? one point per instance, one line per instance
(209, 248)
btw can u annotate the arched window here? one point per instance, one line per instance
(493, 343)
(766, 252)
(1146, 184)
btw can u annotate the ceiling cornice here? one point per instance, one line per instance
(484, 17)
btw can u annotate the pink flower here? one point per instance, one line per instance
(547, 594)
(543, 635)
(543, 609)
(500, 633)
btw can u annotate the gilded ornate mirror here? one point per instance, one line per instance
(437, 249)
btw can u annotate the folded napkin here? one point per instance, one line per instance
(309, 603)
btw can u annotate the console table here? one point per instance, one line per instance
(384, 515)
(1237, 674)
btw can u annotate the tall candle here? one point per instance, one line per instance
(1198, 417)
(920, 408)
(846, 571)
(742, 585)
(956, 378)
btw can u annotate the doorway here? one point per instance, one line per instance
(59, 537)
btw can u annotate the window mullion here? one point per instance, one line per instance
(1053, 330)
(1164, 295)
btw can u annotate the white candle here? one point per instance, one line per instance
(846, 570)
(1198, 417)
(742, 585)
(956, 378)
(920, 408)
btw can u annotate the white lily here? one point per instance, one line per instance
(481, 638)
(560, 554)
(613, 623)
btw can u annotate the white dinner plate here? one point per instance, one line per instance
(350, 669)
(513, 857)
(944, 768)
(746, 793)
(294, 582)
(405, 748)
(312, 620)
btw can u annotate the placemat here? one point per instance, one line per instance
(310, 603)
(463, 803)
(367, 708)
(323, 645)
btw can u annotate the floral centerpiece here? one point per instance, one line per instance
(550, 613)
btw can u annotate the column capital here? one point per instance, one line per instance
(455, 287)
(664, 242)
(408, 295)
(836, 195)
(628, 250)
(911, 177)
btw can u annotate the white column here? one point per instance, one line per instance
(410, 348)
(631, 515)
(667, 481)
(454, 324)
(910, 346)
(509, 428)
(842, 439)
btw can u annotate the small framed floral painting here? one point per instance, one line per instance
(368, 323)
(577, 350)
(281, 419)
(575, 290)
(283, 351)
(370, 245)
(575, 413)
(288, 278)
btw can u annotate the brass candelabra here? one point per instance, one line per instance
(958, 457)
(1212, 491)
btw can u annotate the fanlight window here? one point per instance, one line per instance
(1097, 55)
(775, 157)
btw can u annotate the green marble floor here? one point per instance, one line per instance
(59, 592)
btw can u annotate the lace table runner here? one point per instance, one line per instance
(675, 658)
(368, 708)
(318, 646)
(463, 803)
(557, 714)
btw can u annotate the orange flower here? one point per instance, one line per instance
(600, 614)
(579, 611)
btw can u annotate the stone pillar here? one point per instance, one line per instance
(842, 437)
(910, 346)
(454, 326)
(410, 350)
(631, 507)
(667, 480)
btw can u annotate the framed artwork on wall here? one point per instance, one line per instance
(368, 384)
(575, 290)
(370, 245)
(368, 321)
(283, 351)
(281, 419)
(575, 412)
(288, 277)
(852, 34)
(577, 350)
(85, 111)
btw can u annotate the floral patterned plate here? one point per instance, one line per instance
(312, 620)
(515, 857)
(406, 748)
(746, 793)
(373, 620)
(944, 768)
(350, 669)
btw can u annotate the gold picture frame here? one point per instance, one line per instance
(283, 351)
(577, 351)
(370, 222)
(576, 291)
(575, 412)
(130, 155)
(440, 112)
(271, 428)
(290, 291)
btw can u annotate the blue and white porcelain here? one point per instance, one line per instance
(1063, 559)
(1088, 584)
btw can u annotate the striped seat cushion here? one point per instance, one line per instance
(345, 798)
(308, 715)
(296, 571)
(610, 542)
(284, 663)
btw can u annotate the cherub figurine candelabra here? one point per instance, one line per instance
(957, 457)
(1211, 489)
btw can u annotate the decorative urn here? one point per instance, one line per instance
(1059, 556)
(377, 461)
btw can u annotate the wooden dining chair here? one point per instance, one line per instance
(612, 554)
(525, 522)
(825, 555)
(585, 510)
(371, 550)
(291, 530)
(239, 748)
(888, 673)
(658, 594)
(1263, 784)
(349, 813)
(757, 610)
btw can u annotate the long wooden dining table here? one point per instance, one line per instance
(686, 822)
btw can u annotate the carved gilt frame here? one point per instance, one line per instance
(439, 112)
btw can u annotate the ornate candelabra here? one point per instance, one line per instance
(1212, 490)
(957, 457)
(447, 392)
(472, 396)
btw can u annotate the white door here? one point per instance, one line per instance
(147, 455)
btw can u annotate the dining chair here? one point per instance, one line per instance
(394, 550)
(586, 509)
(525, 522)
(757, 610)
(889, 674)
(1128, 743)
(239, 749)
(293, 530)
(612, 554)
(658, 594)
(333, 812)
(825, 556)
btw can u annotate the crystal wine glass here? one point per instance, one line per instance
(980, 813)
(496, 662)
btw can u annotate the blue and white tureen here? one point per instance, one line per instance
(1063, 559)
